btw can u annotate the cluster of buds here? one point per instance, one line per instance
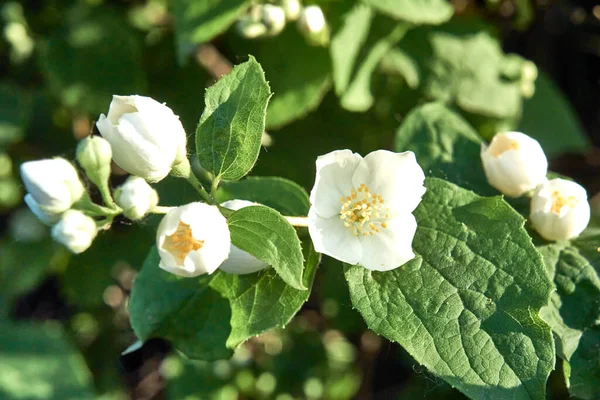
(516, 165)
(267, 20)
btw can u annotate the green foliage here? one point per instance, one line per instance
(199, 21)
(264, 233)
(467, 306)
(585, 366)
(15, 110)
(206, 317)
(549, 118)
(415, 11)
(39, 363)
(229, 132)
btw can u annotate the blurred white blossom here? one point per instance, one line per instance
(136, 197)
(75, 230)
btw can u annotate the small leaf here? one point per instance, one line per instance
(467, 306)
(230, 128)
(415, 11)
(264, 233)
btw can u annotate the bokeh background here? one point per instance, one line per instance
(64, 324)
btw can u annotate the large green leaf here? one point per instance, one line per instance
(445, 145)
(467, 306)
(94, 56)
(549, 118)
(38, 363)
(231, 126)
(265, 233)
(206, 317)
(16, 106)
(415, 11)
(199, 21)
(584, 368)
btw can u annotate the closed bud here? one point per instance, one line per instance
(274, 18)
(313, 26)
(75, 230)
(250, 29)
(514, 163)
(94, 154)
(239, 261)
(53, 184)
(47, 218)
(136, 197)
(559, 210)
(146, 137)
(193, 240)
(292, 9)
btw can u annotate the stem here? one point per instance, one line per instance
(94, 210)
(161, 209)
(214, 186)
(106, 196)
(192, 180)
(297, 221)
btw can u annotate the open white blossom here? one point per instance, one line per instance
(361, 209)
(146, 137)
(136, 197)
(53, 186)
(75, 230)
(514, 163)
(559, 210)
(239, 261)
(193, 240)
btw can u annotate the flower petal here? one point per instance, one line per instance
(333, 180)
(331, 237)
(392, 246)
(394, 176)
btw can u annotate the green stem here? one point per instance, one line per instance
(192, 180)
(297, 221)
(107, 197)
(94, 210)
(215, 186)
(161, 210)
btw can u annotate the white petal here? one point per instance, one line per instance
(331, 237)
(46, 217)
(333, 180)
(397, 177)
(119, 106)
(392, 246)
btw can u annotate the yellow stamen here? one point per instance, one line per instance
(181, 242)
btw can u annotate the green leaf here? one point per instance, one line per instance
(445, 145)
(585, 366)
(232, 308)
(230, 128)
(298, 86)
(199, 21)
(415, 11)
(467, 306)
(265, 233)
(549, 118)
(16, 106)
(94, 56)
(39, 363)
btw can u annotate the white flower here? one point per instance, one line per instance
(274, 18)
(292, 9)
(146, 137)
(361, 207)
(514, 163)
(313, 26)
(239, 261)
(193, 240)
(75, 230)
(559, 210)
(44, 216)
(136, 197)
(53, 184)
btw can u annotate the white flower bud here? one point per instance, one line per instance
(274, 18)
(95, 155)
(146, 137)
(136, 197)
(292, 9)
(44, 216)
(559, 210)
(313, 25)
(75, 230)
(239, 261)
(514, 163)
(250, 29)
(193, 240)
(52, 183)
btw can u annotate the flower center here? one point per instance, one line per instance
(364, 212)
(181, 242)
(558, 202)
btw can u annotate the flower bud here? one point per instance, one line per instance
(514, 163)
(75, 230)
(239, 261)
(250, 29)
(274, 18)
(193, 240)
(313, 25)
(292, 9)
(95, 155)
(44, 216)
(146, 137)
(559, 210)
(136, 197)
(52, 183)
